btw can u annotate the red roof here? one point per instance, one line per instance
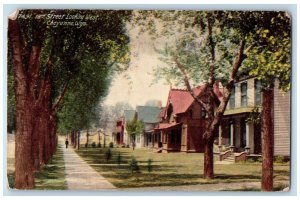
(181, 100)
(162, 112)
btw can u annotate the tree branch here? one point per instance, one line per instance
(212, 51)
(237, 63)
(61, 96)
(188, 85)
(47, 76)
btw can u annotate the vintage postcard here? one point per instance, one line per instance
(149, 100)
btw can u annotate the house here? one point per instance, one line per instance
(239, 134)
(182, 122)
(129, 115)
(119, 134)
(149, 116)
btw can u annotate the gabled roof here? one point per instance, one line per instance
(162, 112)
(148, 114)
(129, 115)
(181, 100)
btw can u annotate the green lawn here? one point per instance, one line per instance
(172, 169)
(51, 177)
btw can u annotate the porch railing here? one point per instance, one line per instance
(240, 156)
(224, 155)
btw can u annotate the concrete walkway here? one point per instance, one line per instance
(80, 176)
(204, 187)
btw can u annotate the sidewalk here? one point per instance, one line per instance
(80, 176)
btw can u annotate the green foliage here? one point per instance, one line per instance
(149, 165)
(107, 154)
(111, 145)
(94, 144)
(255, 115)
(134, 127)
(281, 159)
(84, 58)
(185, 35)
(134, 166)
(270, 59)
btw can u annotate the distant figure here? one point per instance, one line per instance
(133, 145)
(67, 143)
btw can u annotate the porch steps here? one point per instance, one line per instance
(229, 159)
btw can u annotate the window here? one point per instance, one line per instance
(257, 92)
(244, 94)
(232, 98)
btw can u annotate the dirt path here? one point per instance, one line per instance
(80, 176)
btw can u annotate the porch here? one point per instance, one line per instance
(239, 135)
(169, 137)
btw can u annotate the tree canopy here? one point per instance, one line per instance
(134, 127)
(86, 48)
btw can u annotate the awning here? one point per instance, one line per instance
(168, 126)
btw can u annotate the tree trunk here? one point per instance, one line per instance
(87, 138)
(24, 175)
(24, 168)
(74, 138)
(78, 139)
(267, 139)
(208, 157)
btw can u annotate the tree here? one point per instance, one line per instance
(206, 47)
(108, 115)
(134, 127)
(270, 63)
(51, 50)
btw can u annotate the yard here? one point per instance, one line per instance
(173, 169)
(51, 177)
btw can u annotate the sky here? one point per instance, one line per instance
(139, 88)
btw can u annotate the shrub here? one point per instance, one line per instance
(134, 166)
(108, 154)
(86, 145)
(279, 159)
(111, 145)
(94, 144)
(127, 146)
(99, 145)
(149, 165)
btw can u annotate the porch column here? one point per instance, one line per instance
(220, 138)
(231, 137)
(247, 148)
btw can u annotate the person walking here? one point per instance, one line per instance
(133, 146)
(67, 143)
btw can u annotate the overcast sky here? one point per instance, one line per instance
(138, 89)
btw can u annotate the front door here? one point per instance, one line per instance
(257, 139)
(243, 133)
